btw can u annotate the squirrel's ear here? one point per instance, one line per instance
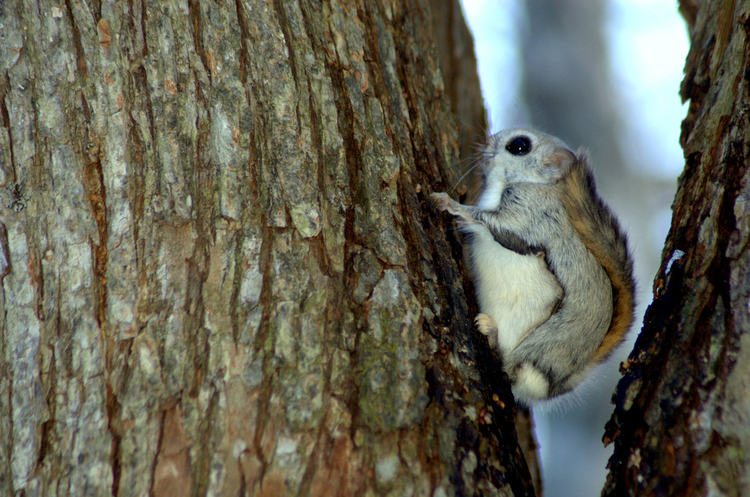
(563, 158)
(559, 162)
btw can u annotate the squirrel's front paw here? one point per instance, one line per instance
(444, 203)
(441, 200)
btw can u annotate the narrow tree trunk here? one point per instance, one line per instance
(220, 271)
(458, 64)
(682, 419)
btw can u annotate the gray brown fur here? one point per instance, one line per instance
(601, 233)
(543, 206)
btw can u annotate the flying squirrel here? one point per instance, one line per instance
(550, 263)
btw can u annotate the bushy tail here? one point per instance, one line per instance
(602, 235)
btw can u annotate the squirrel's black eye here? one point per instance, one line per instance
(520, 145)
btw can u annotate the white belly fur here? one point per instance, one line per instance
(517, 291)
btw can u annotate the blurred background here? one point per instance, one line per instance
(603, 75)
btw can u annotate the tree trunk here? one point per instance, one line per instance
(682, 418)
(220, 271)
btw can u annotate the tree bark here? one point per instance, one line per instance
(682, 418)
(220, 271)
(458, 64)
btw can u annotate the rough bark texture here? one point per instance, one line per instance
(682, 419)
(219, 271)
(458, 64)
